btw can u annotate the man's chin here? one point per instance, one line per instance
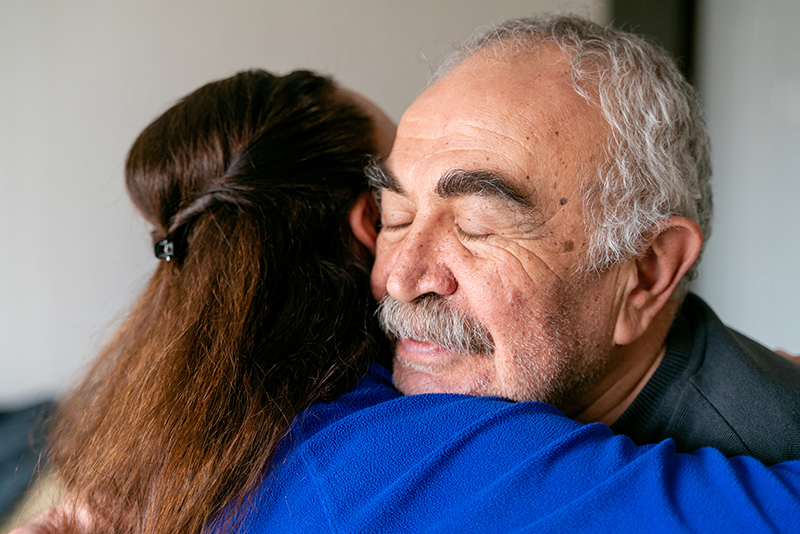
(412, 378)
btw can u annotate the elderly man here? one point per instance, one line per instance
(542, 213)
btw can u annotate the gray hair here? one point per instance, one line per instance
(658, 162)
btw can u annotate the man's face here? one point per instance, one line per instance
(482, 222)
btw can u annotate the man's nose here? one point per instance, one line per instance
(419, 268)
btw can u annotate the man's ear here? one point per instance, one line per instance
(653, 277)
(363, 218)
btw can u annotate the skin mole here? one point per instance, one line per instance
(562, 201)
(568, 246)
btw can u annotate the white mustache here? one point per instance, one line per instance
(431, 319)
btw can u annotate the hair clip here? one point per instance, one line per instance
(165, 250)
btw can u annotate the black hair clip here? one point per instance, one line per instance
(165, 250)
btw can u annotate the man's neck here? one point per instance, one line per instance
(630, 368)
(614, 398)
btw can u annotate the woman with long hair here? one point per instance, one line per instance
(259, 307)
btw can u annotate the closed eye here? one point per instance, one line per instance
(391, 227)
(466, 236)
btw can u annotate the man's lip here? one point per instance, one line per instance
(420, 351)
(418, 346)
(421, 356)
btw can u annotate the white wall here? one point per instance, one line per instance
(80, 79)
(749, 76)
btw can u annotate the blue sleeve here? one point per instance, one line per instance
(448, 463)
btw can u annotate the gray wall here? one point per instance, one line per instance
(80, 79)
(748, 72)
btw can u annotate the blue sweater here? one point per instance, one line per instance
(374, 461)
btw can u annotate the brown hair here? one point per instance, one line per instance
(263, 310)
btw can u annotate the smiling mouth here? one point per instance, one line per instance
(430, 366)
(418, 345)
(429, 357)
(426, 347)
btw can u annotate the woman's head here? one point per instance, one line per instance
(258, 144)
(262, 309)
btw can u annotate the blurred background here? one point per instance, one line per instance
(80, 79)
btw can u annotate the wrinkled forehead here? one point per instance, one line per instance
(521, 107)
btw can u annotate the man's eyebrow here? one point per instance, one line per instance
(380, 179)
(482, 183)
